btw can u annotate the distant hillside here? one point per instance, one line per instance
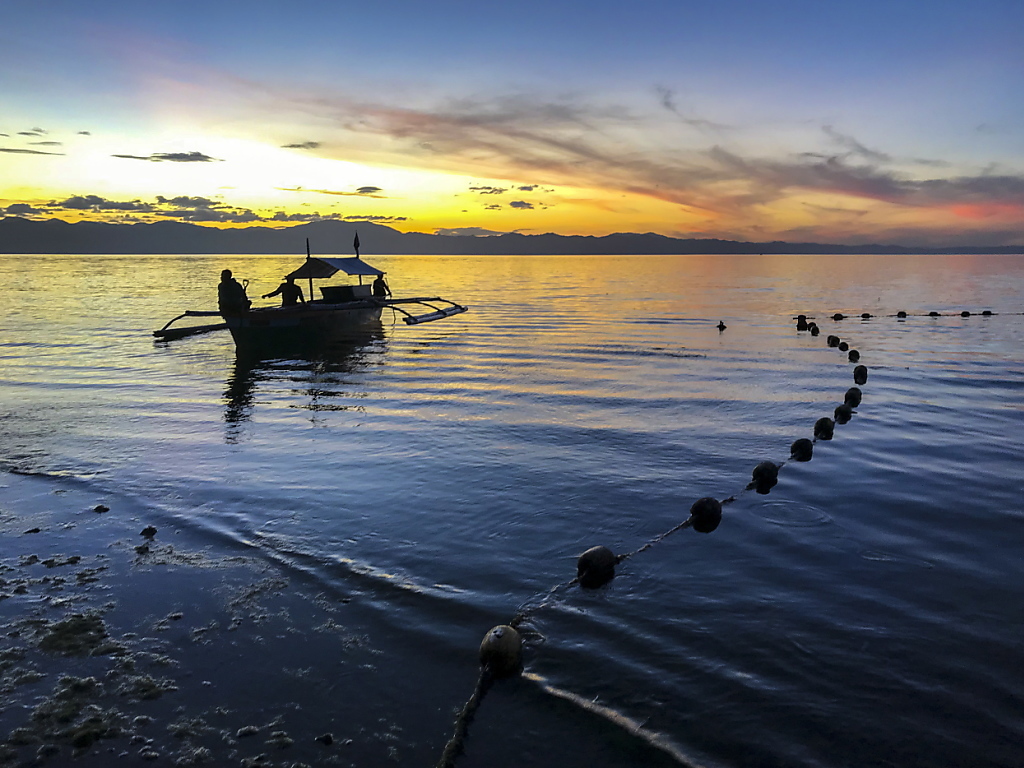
(19, 235)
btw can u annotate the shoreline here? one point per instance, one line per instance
(117, 644)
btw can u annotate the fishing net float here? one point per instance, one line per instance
(502, 647)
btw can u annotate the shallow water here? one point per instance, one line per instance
(417, 485)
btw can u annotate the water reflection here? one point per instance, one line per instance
(308, 367)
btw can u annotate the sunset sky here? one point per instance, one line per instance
(892, 122)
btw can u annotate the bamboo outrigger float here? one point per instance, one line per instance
(341, 307)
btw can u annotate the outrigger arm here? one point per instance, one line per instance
(439, 313)
(167, 333)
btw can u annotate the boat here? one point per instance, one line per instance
(340, 308)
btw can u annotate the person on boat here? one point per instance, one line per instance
(291, 294)
(231, 298)
(380, 288)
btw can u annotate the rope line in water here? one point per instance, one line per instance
(501, 649)
(456, 744)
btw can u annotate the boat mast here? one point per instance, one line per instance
(355, 244)
(311, 272)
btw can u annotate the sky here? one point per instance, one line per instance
(895, 121)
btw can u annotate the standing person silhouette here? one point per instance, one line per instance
(291, 294)
(380, 288)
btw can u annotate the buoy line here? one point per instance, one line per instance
(501, 651)
(903, 314)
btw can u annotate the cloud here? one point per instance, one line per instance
(181, 208)
(172, 157)
(33, 132)
(28, 151)
(84, 133)
(237, 216)
(834, 174)
(493, 207)
(855, 146)
(526, 188)
(302, 145)
(360, 217)
(282, 216)
(667, 100)
(21, 209)
(96, 203)
(466, 232)
(46, 143)
(719, 187)
(521, 204)
(183, 201)
(834, 209)
(360, 192)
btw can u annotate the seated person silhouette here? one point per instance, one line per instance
(231, 298)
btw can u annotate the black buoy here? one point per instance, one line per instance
(801, 322)
(965, 313)
(502, 651)
(860, 374)
(706, 514)
(764, 477)
(933, 313)
(838, 316)
(843, 346)
(987, 313)
(854, 355)
(801, 450)
(823, 428)
(833, 341)
(813, 328)
(595, 567)
(843, 413)
(866, 316)
(901, 313)
(853, 396)
(721, 326)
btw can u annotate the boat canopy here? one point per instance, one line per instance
(317, 267)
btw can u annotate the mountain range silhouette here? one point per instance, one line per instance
(19, 235)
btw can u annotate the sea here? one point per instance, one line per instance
(335, 527)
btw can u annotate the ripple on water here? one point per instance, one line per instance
(794, 514)
(881, 556)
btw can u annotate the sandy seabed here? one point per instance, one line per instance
(118, 640)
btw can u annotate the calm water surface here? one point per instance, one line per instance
(418, 485)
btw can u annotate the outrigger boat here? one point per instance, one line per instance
(341, 307)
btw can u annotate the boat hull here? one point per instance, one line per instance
(301, 322)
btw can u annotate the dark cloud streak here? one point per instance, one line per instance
(666, 98)
(360, 192)
(172, 157)
(855, 146)
(14, 151)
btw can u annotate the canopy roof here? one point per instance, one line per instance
(317, 267)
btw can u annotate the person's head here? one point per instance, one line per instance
(289, 279)
(225, 275)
